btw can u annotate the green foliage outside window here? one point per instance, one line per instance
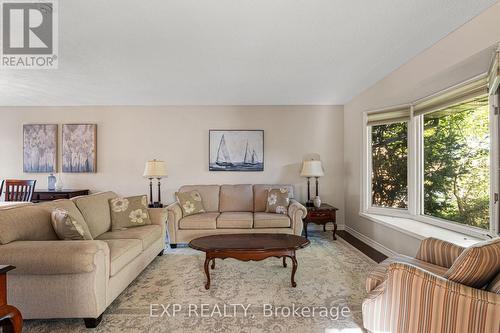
(456, 164)
(389, 165)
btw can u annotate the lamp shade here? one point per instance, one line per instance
(312, 168)
(155, 169)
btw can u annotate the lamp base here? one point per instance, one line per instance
(309, 203)
(155, 205)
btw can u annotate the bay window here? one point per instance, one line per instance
(437, 159)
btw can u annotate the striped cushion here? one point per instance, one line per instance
(412, 300)
(379, 273)
(494, 285)
(438, 252)
(477, 264)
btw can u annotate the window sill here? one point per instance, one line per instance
(421, 230)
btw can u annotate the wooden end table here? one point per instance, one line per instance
(247, 247)
(324, 214)
(9, 315)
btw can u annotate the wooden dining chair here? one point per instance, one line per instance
(19, 190)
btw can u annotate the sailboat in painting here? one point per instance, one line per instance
(233, 150)
(250, 158)
(223, 158)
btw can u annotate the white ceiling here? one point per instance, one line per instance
(231, 52)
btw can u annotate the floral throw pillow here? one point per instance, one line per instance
(277, 201)
(190, 202)
(68, 228)
(129, 212)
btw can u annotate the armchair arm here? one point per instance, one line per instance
(296, 212)
(438, 252)
(55, 257)
(413, 300)
(174, 216)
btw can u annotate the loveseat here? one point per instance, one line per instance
(74, 278)
(445, 288)
(233, 209)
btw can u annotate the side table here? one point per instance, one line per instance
(10, 317)
(324, 214)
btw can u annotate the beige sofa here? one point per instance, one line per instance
(73, 279)
(233, 209)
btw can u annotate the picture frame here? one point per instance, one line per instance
(79, 148)
(40, 148)
(236, 150)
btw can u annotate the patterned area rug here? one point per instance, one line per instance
(244, 296)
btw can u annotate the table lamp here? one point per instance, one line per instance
(311, 168)
(155, 169)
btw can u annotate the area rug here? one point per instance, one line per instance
(169, 296)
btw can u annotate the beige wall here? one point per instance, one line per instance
(434, 69)
(128, 136)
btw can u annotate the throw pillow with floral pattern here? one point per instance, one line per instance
(129, 212)
(277, 201)
(190, 202)
(67, 227)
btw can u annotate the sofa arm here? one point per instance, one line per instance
(296, 212)
(174, 216)
(412, 299)
(55, 257)
(438, 252)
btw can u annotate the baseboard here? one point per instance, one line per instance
(368, 241)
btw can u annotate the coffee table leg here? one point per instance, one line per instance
(294, 269)
(334, 231)
(213, 263)
(284, 261)
(207, 272)
(12, 318)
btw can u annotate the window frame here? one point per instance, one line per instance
(415, 210)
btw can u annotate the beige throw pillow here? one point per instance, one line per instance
(67, 227)
(277, 201)
(191, 202)
(129, 212)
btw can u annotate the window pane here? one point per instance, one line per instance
(390, 165)
(456, 163)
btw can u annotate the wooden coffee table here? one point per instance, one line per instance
(247, 247)
(9, 315)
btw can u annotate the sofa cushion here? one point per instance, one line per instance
(271, 220)
(25, 223)
(379, 272)
(209, 195)
(236, 198)
(129, 212)
(477, 264)
(52, 257)
(148, 234)
(199, 221)
(191, 202)
(278, 201)
(69, 228)
(95, 211)
(122, 252)
(235, 220)
(260, 195)
(494, 285)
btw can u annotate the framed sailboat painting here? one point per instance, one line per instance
(236, 150)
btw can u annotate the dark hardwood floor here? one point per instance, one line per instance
(366, 249)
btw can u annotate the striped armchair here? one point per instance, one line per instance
(445, 288)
